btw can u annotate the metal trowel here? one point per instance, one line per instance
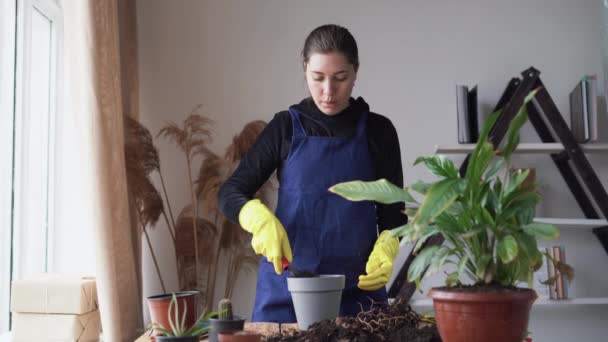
(295, 273)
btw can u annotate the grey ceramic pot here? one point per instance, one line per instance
(224, 326)
(316, 298)
(177, 339)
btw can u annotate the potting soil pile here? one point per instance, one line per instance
(383, 322)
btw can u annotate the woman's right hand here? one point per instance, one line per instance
(269, 237)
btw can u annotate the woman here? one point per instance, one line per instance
(326, 139)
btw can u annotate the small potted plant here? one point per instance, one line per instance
(486, 220)
(224, 322)
(178, 330)
(159, 307)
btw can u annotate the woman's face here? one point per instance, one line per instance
(330, 78)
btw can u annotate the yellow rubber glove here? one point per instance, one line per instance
(269, 236)
(379, 266)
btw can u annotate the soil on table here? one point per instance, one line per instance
(383, 322)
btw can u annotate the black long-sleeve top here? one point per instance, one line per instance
(270, 151)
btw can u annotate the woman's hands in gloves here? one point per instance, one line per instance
(379, 267)
(269, 236)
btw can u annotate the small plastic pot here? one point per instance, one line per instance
(316, 298)
(219, 326)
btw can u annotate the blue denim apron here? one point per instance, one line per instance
(328, 234)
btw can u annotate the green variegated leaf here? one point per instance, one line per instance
(439, 165)
(440, 196)
(411, 211)
(507, 249)
(478, 164)
(422, 261)
(438, 260)
(426, 234)
(421, 187)
(462, 264)
(401, 230)
(482, 265)
(472, 232)
(381, 191)
(543, 231)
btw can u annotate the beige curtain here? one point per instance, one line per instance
(101, 55)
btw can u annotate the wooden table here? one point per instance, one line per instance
(265, 329)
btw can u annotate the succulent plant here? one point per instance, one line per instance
(225, 310)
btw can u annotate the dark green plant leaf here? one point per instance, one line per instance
(452, 279)
(525, 216)
(482, 142)
(381, 191)
(515, 125)
(515, 180)
(494, 168)
(507, 249)
(448, 223)
(422, 261)
(543, 231)
(487, 217)
(439, 165)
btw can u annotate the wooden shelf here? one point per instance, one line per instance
(572, 223)
(524, 148)
(428, 303)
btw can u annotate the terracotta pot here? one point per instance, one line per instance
(482, 316)
(241, 336)
(159, 308)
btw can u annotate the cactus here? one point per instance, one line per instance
(225, 310)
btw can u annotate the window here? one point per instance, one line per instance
(30, 32)
(7, 71)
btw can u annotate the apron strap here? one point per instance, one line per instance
(362, 124)
(298, 129)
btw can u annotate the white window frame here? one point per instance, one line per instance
(8, 18)
(18, 244)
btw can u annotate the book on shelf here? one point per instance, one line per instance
(549, 282)
(550, 273)
(466, 110)
(583, 110)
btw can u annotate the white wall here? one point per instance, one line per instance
(241, 60)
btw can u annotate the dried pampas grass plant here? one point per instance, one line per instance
(201, 235)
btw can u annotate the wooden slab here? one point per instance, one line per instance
(265, 329)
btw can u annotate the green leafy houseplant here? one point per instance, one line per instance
(485, 216)
(486, 220)
(177, 329)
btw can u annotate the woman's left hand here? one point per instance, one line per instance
(379, 267)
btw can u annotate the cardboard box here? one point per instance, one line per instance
(28, 327)
(56, 294)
